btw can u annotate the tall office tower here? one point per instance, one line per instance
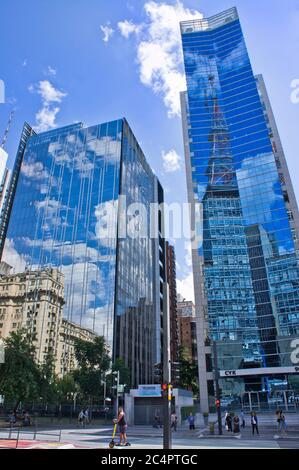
(244, 217)
(173, 314)
(77, 199)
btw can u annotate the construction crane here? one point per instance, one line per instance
(6, 132)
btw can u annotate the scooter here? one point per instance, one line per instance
(112, 443)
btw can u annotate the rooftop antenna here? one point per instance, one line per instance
(6, 132)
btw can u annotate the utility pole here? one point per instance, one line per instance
(217, 389)
(167, 444)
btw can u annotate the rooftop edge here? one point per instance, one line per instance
(210, 23)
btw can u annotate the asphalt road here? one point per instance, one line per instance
(146, 437)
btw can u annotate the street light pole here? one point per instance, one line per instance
(217, 389)
(117, 398)
(167, 444)
(117, 387)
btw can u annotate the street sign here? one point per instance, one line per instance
(259, 371)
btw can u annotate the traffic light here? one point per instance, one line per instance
(164, 389)
(217, 403)
(169, 394)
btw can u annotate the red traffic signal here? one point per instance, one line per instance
(217, 402)
(164, 387)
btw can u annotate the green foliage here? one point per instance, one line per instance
(65, 388)
(22, 379)
(188, 371)
(48, 379)
(20, 376)
(93, 361)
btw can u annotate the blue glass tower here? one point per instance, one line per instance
(245, 216)
(70, 192)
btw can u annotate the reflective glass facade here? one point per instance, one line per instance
(66, 213)
(247, 275)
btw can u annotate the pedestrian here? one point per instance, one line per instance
(236, 424)
(228, 422)
(157, 422)
(80, 418)
(191, 421)
(174, 421)
(26, 419)
(254, 423)
(242, 419)
(282, 427)
(122, 424)
(13, 418)
(86, 416)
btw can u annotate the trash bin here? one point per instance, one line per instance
(212, 428)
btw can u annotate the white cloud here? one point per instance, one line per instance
(12, 257)
(128, 27)
(159, 52)
(45, 119)
(107, 31)
(185, 287)
(46, 116)
(171, 161)
(51, 71)
(34, 170)
(49, 93)
(237, 58)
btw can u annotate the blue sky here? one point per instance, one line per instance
(58, 68)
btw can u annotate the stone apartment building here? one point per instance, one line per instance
(34, 300)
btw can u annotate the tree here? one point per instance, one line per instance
(188, 371)
(93, 361)
(19, 375)
(66, 388)
(48, 378)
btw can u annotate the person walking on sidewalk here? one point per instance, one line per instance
(228, 422)
(282, 427)
(191, 421)
(157, 422)
(242, 419)
(174, 421)
(254, 423)
(236, 425)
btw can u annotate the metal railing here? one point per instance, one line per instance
(208, 24)
(17, 433)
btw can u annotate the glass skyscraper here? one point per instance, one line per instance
(71, 206)
(245, 216)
